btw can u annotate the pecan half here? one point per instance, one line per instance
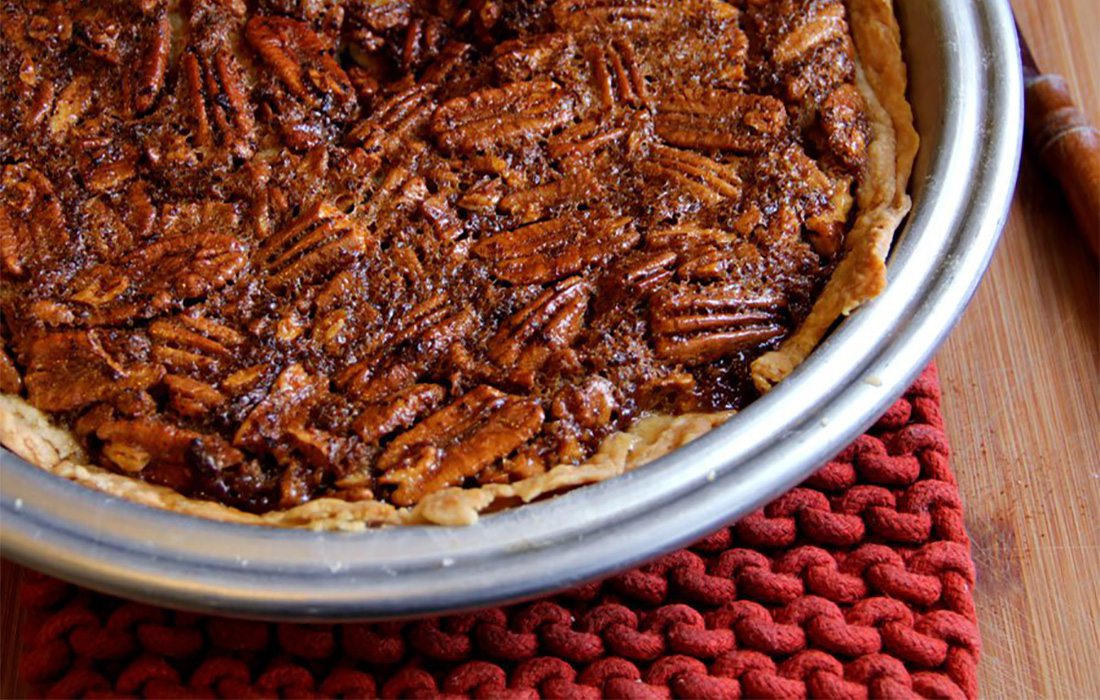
(482, 197)
(72, 369)
(163, 453)
(587, 137)
(303, 61)
(642, 272)
(195, 218)
(530, 57)
(719, 120)
(328, 331)
(381, 15)
(423, 41)
(318, 243)
(37, 106)
(481, 16)
(293, 394)
(32, 224)
(112, 172)
(549, 250)
(808, 187)
(552, 321)
(616, 77)
(394, 119)
(370, 382)
(74, 100)
(191, 397)
(810, 47)
(133, 444)
(156, 278)
(399, 411)
(53, 26)
(430, 326)
(501, 116)
(457, 442)
(399, 193)
(217, 100)
(590, 404)
(326, 15)
(703, 254)
(687, 237)
(613, 15)
(111, 224)
(825, 230)
(536, 202)
(186, 344)
(157, 40)
(707, 180)
(823, 23)
(845, 128)
(421, 336)
(695, 326)
(733, 45)
(100, 31)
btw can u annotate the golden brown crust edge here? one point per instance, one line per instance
(28, 432)
(881, 198)
(882, 203)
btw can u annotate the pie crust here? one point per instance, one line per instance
(881, 201)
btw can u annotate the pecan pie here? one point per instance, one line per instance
(383, 261)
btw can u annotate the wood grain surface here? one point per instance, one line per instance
(1021, 380)
(1021, 377)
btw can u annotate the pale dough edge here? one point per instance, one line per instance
(881, 197)
(27, 432)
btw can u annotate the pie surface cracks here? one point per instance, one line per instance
(342, 264)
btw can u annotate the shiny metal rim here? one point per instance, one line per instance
(966, 88)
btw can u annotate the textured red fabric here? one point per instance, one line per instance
(854, 585)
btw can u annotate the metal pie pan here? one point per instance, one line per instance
(966, 90)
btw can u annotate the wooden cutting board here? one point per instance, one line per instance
(1021, 378)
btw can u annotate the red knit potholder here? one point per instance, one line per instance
(855, 584)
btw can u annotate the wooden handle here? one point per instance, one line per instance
(1069, 147)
